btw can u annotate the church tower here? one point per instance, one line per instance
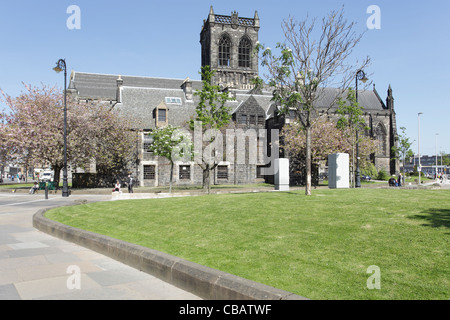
(228, 44)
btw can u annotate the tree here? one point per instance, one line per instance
(171, 143)
(351, 121)
(34, 128)
(34, 132)
(403, 150)
(445, 158)
(112, 139)
(3, 150)
(327, 138)
(306, 66)
(211, 116)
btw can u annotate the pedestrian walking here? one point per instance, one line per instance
(130, 184)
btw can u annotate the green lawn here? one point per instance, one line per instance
(17, 185)
(319, 247)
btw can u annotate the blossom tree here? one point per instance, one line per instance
(2, 144)
(110, 138)
(327, 138)
(309, 61)
(30, 128)
(33, 131)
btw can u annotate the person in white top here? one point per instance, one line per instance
(117, 187)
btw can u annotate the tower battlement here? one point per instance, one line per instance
(228, 44)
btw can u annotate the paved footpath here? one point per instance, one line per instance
(34, 265)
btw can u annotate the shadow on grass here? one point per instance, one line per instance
(435, 217)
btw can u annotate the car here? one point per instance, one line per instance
(47, 176)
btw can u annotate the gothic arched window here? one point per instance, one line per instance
(380, 134)
(244, 52)
(225, 51)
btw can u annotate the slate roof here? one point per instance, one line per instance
(368, 99)
(141, 95)
(103, 86)
(264, 101)
(141, 102)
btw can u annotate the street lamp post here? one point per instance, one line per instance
(418, 145)
(361, 76)
(61, 66)
(436, 171)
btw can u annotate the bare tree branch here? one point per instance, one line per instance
(311, 62)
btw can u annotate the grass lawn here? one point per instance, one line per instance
(24, 185)
(16, 186)
(319, 247)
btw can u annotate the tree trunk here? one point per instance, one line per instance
(57, 175)
(206, 179)
(353, 167)
(308, 161)
(171, 176)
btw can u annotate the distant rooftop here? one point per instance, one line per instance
(104, 86)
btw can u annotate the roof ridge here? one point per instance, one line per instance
(132, 76)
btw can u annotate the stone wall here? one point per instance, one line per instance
(233, 174)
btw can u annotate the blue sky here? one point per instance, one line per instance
(161, 39)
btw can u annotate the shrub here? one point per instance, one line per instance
(383, 175)
(369, 170)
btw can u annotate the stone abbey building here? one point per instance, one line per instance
(227, 43)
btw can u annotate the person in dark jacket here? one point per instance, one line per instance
(130, 184)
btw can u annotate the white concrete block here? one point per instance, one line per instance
(281, 168)
(338, 171)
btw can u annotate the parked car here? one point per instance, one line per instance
(47, 176)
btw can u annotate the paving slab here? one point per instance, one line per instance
(35, 265)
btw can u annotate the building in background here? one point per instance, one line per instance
(428, 164)
(227, 44)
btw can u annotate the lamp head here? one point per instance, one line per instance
(57, 69)
(60, 66)
(361, 76)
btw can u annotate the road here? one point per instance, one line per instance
(34, 265)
